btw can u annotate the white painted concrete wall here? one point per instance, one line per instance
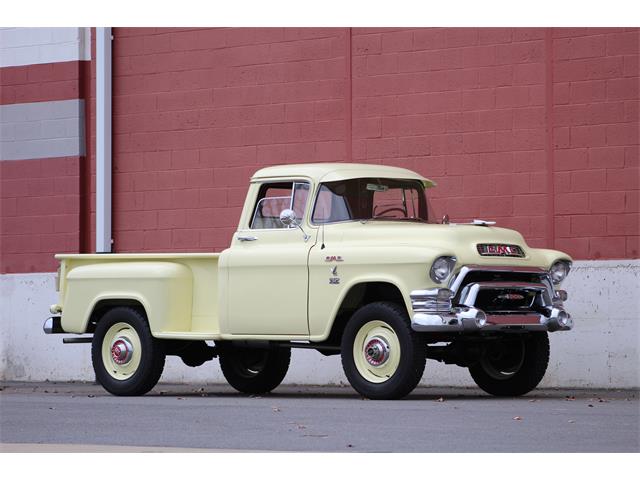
(27, 46)
(602, 351)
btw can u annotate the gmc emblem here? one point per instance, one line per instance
(499, 250)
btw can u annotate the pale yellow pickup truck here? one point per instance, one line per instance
(341, 258)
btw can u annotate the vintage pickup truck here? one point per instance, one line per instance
(340, 258)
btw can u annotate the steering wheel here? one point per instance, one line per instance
(389, 210)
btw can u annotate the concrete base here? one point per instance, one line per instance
(601, 352)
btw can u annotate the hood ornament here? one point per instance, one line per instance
(483, 223)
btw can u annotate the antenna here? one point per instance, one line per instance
(322, 246)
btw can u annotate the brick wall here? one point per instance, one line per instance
(196, 112)
(535, 128)
(595, 119)
(42, 147)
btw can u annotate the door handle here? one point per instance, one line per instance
(247, 238)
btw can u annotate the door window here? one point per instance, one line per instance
(273, 198)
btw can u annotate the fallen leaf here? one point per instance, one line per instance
(440, 400)
(349, 445)
(52, 408)
(590, 405)
(569, 398)
(517, 418)
(275, 409)
(571, 421)
(180, 398)
(91, 396)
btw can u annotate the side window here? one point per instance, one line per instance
(331, 206)
(273, 198)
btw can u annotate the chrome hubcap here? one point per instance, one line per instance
(376, 351)
(121, 351)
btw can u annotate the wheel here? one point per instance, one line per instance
(382, 357)
(254, 370)
(127, 360)
(513, 366)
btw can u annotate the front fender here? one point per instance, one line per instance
(405, 267)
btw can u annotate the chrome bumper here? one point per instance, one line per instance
(52, 325)
(434, 311)
(474, 320)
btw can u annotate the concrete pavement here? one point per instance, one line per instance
(77, 417)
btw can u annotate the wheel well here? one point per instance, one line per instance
(102, 306)
(358, 296)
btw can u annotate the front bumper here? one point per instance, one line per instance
(476, 306)
(473, 320)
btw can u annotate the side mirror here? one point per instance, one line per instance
(288, 217)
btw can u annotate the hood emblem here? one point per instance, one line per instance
(511, 296)
(499, 250)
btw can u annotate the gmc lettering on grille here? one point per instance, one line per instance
(499, 250)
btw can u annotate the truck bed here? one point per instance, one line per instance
(179, 291)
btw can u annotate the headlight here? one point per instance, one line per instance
(442, 268)
(559, 271)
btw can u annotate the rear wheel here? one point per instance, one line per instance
(127, 359)
(382, 357)
(254, 370)
(513, 366)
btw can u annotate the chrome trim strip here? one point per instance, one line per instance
(470, 292)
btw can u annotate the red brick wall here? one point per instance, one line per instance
(196, 112)
(536, 128)
(40, 212)
(595, 119)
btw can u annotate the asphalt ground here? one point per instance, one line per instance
(82, 417)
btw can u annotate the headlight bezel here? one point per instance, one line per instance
(445, 260)
(557, 274)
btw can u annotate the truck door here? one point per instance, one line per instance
(268, 273)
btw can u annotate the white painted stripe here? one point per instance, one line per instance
(42, 130)
(27, 46)
(600, 352)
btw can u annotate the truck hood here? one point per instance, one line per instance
(457, 240)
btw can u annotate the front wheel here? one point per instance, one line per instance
(254, 370)
(512, 366)
(127, 359)
(382, 357)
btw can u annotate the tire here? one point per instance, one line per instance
(382, 357)
(512, 367)
(254, 370)
(127, 359)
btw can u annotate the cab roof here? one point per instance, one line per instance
(331, 172)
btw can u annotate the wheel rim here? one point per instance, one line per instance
(376, 351)
(503, 363)
(121, 351)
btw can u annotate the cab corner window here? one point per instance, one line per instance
(273, 198)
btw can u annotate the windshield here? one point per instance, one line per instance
(370, 199)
